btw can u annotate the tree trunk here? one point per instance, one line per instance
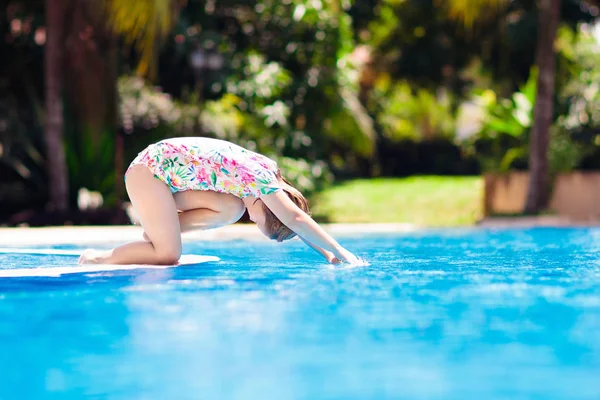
(91, 53)
(537, 196)
(54, 124)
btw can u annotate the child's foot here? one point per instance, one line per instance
(91, 256)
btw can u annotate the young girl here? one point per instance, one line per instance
(182, 184)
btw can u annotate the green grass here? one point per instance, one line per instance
(420, 200)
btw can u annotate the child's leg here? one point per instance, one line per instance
(202, 210)
(157, 213)
(207, 209)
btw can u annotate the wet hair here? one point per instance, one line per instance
(275, 229)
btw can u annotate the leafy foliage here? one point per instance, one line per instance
(564, 153)
(405, 113)
(576, 136)
(21, 157)
(146, 107)
(503, 137)
(581, 93)
(358, 87)
(511, 116)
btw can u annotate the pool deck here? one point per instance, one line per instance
(105, 235)
(108, 235)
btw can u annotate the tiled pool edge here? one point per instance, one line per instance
(99, 235)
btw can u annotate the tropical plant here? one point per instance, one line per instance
(141, 24)
(503, 140)
(511, 116)
(468, 11)
(505, 126)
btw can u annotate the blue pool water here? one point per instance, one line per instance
(467, 314)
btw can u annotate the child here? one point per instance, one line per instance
(182, 184)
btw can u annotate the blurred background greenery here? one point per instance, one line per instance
(337, 91)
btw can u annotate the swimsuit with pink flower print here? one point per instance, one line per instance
(197, 163)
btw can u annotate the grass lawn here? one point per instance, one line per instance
(420, 200)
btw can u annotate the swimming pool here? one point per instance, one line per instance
(452, 314)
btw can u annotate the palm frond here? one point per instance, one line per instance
(142, 24)
(470, 11)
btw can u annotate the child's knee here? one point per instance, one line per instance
(230, 208)
(235, 211)
(168, 255)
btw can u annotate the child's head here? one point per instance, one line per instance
(274, 228)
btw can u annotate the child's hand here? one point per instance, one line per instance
(345, 256)
(332, 259)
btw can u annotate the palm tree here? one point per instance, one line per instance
(469, 11)
(141, 23)
(537, 194)
(55, 152)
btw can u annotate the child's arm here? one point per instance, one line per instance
(304, 226)
(329, 256)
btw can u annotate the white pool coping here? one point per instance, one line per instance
(106, 235)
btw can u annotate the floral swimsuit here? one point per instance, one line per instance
(198, 163)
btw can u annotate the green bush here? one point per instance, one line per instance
(404, 113)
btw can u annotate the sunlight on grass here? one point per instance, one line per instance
(421, 200)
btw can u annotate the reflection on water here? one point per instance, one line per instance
(461, 314)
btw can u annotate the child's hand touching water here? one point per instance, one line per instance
(331, 258)
(344, 255)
